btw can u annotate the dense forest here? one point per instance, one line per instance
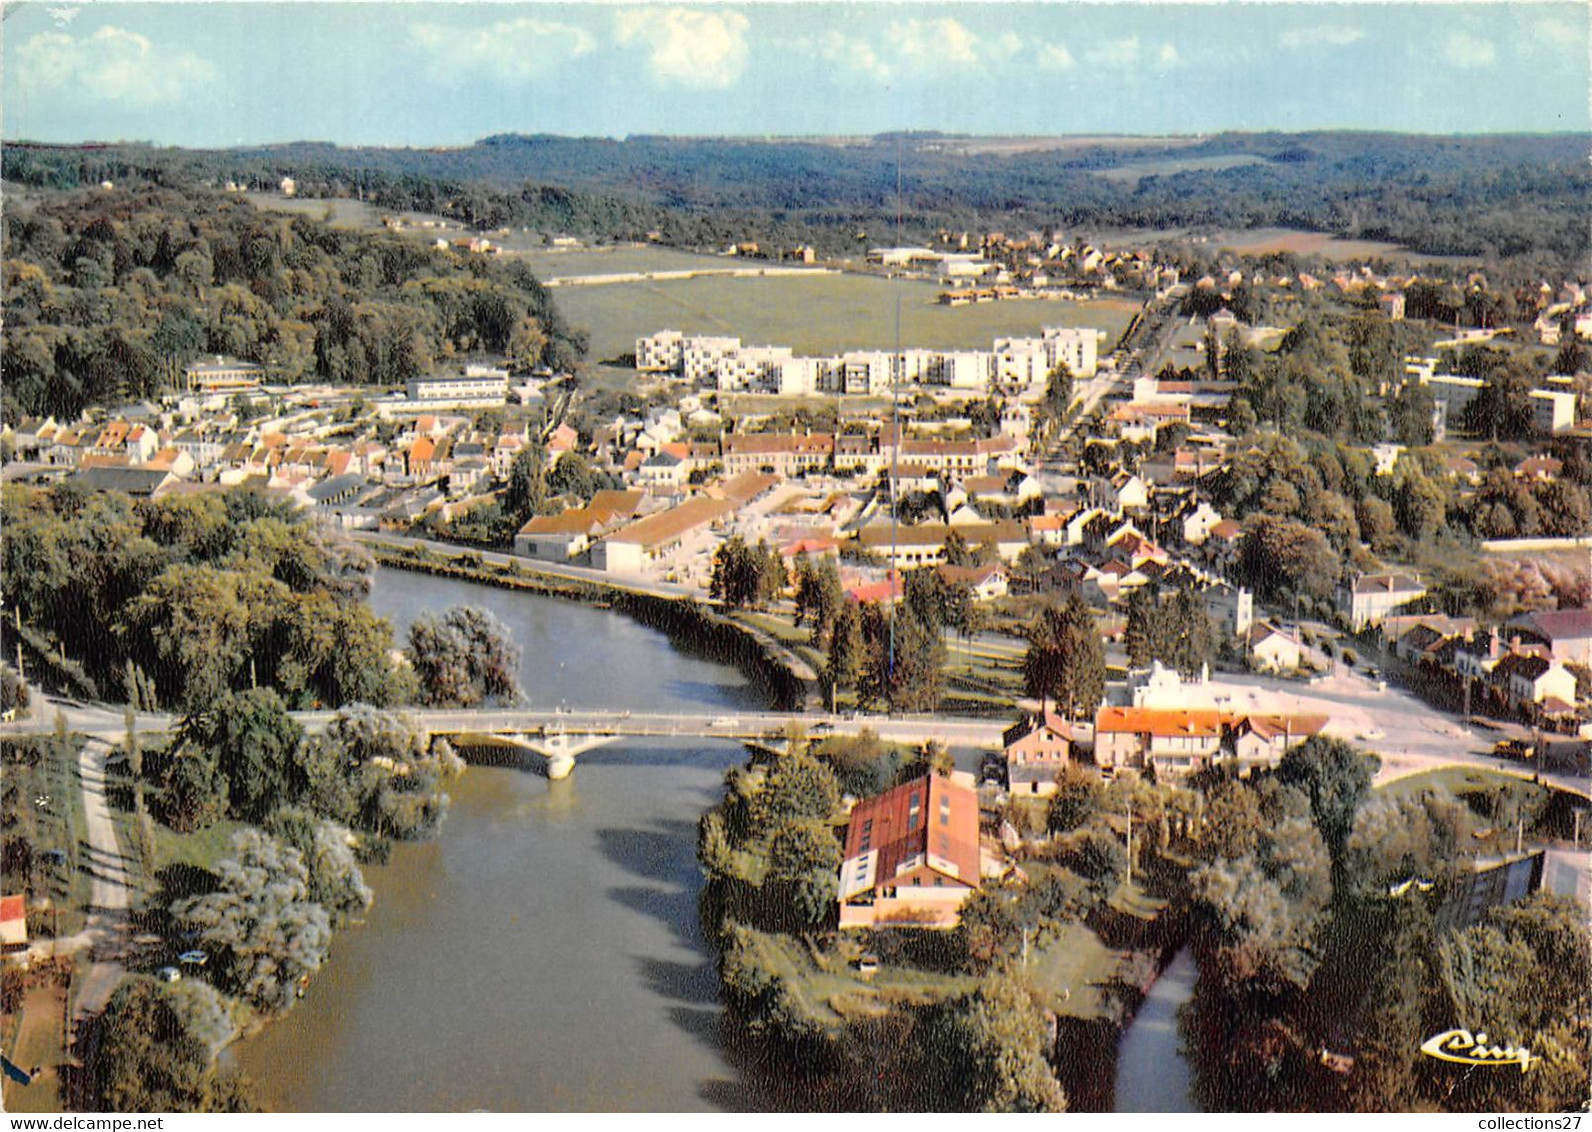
(1496, 197)
(108, 296)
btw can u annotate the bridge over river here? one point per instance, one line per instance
(559, 735)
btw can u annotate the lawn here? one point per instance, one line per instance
(47, 805)
(1071, 969)
(203, 850)
(818, 314)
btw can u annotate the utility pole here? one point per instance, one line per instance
(1128, 808)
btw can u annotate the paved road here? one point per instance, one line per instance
(110, 890)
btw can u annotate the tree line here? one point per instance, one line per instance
(108, 297)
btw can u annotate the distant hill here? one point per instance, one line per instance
(1485, 195)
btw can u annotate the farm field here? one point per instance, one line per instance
(822, 314)
(1134, 172)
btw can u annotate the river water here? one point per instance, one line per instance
(1152, 1075)
(544, 952)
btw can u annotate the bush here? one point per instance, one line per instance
(1349, 657)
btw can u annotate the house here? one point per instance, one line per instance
(1271, 650)
(1262, 740)
(912, 856)
(1173, 741)
(1373, 596)
(558, 538)
(1531, 679)
(1037, 749)
(13, 920)
(986, 583)
(1566, 632)
(644, 544)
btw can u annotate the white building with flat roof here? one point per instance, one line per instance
(700, 358)
(662, 352)
(459, 391)
(1079, 347)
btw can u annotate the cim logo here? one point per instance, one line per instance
(1465, 1048)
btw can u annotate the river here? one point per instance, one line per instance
(1152, 1075)
(544, 952)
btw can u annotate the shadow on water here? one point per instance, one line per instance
(665, 853)
(691, 983)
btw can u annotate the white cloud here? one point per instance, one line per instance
(852, 57)
(1054, 57)
(691, 47)
(1114, 52)
(943, 41)
(1321, 35)
(1462, 49)
(111, 65)
(1550, 34)
(511, 51)
(1166, 55)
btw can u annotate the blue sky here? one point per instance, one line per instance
(218, 74)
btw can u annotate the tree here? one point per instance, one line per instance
(864, 765)
(154, 1049)
(843, 665)
(819, 597)
(745, 575)
(386, 782)
(464, 658)
(1065, 663)
(527, 493)
(905, 658)
(798, 788)
(1099, 858)
(334, 880)
(804, 859)
(1336, 777)
(986, 1052)
(1279, 556)
(262, 931)
(251, 740)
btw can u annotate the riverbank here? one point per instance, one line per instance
(688, 624)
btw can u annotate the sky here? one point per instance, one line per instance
(425, 74)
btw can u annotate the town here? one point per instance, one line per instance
(795, 617)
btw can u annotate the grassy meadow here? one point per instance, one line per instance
(818, 314)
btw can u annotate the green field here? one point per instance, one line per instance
(818, 314)
(1132, 173)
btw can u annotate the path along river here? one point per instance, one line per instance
(544, 952)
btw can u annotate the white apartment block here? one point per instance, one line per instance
(750, 369)
(965, 369)
(1079, 347)
(459, 392)
(700, 358)
(662, 352)
(1021, 362)
(865, 371)
(726, 364)
(1552, 411)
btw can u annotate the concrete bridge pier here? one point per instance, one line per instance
(559, 748)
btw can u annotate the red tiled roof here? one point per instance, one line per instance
(1159, 721)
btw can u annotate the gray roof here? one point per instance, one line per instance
(129, 481)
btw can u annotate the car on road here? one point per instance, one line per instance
(723, 721)
(1514, 749)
